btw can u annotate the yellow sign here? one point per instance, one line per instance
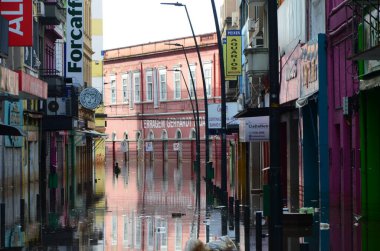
(233, 53)
(226, 77)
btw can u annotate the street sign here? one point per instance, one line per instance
(177, 147)
(124, 146)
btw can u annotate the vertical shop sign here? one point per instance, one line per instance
(74, 42)
(226, 77)
(233, 53)
(19, 13)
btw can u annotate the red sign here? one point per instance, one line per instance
(19, 13)
(8, 82)
(32, 86)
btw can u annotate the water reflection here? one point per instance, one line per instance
(151, 205)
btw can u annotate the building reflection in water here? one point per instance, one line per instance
(150, 206)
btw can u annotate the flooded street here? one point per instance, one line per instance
(149, 205)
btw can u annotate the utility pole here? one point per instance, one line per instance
(275, 206)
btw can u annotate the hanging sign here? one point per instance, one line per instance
(233, 53)
(90, 98)
(74, 44)
(149, 146)
(177, 147)
(124, 146)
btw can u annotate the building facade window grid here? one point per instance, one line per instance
(163, 85)
(177, 83)
(149, 86)
(192, 77)
(126, 94)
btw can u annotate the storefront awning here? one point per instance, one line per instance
(10, 130)
(253, 112)
(95, 134)
(259, 112)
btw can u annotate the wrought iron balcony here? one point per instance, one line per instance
(54, 13)
(366, 16)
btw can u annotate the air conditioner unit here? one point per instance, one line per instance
(40, 12)
(235, 19)
(241, 102)
(58, 106)
(257, 42)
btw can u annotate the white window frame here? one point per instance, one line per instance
(164, 236)
(137, 87)
(126, 87)
(113, 89)
(155, 89)
(163, 85)
(149, 85)
(193, 72)
(125, 230)
(207, 70)
(177, 83)
(138, 226)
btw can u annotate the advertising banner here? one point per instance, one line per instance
(32, 87)
(226, 77)
(233, 53)
(74, 42)
(215, 115)
(8, 82)
(19, 13)
(309, 69)
(254, 129)
(290, 75)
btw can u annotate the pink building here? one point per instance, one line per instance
(151, 125)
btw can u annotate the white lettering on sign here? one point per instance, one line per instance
(74, 44)
(15, 23)
(183, 122)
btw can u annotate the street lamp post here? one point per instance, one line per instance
(207, 151)
(224, 123)
(197, 139)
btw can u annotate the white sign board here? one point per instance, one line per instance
(124, 146)
(149, 146)
(74, 44)
(254, 129)
(215, 115)
(177, 147)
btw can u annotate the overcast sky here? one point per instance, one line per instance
(132, 22)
